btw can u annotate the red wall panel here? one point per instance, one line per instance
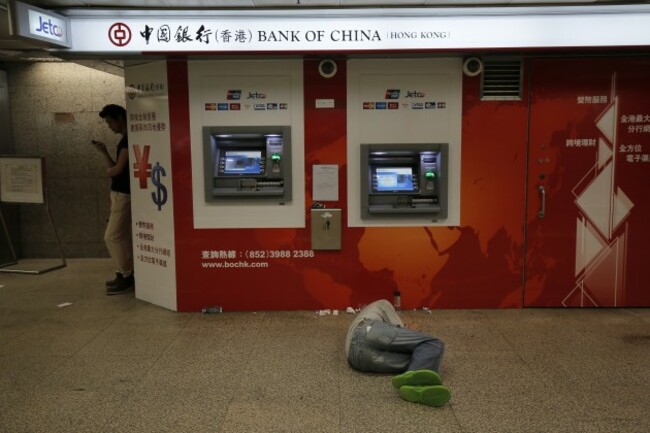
(476, 265)
(568, 98)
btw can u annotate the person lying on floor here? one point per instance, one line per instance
(379, 342)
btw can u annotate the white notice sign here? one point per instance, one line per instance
(325, 182)
(21, 180)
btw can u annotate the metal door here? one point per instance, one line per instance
(588, 210)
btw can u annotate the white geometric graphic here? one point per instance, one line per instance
(600, 254)
(607, 122)
(603, 280)
(588, 244)
(595, 201)
(622, 207)
(579, 297)
(604, 153)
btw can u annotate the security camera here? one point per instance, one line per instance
(327, 68)
(472, 66)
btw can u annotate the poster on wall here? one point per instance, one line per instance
(151, 183)
(21, 180)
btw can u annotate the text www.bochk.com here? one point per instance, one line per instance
(237, 264)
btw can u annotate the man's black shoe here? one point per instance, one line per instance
(122, 285)
(114, 280)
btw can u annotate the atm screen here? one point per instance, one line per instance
(394, 179)
(243, 162)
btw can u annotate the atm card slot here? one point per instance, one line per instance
(413, 209)
(230, 192)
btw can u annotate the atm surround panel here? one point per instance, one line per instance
(404, 181)
(247, 163)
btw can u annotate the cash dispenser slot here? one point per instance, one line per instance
(247, 163)
(404, 181)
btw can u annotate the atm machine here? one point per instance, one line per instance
(247, 163)
(404, 181)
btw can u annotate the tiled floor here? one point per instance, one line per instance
(116, 364)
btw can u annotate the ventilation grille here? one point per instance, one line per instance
(501, 79)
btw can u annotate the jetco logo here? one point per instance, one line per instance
(256, 95)
(415, 94)
(233, 95)
(392, 94)
(46, 26)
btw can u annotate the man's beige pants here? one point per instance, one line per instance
(118, 233)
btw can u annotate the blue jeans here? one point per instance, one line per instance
(379, 347)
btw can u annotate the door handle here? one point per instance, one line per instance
(542, 192)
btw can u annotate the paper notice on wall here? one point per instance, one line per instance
(21, 180)
(325, 182)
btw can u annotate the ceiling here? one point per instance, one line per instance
(12, 49)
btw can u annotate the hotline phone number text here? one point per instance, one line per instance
(279, 254)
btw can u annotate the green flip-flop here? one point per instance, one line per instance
(416, 377)
(432, 395)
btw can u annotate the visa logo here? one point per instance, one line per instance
(392, 94)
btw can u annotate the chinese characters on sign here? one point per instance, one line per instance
(580, 142)
(634, 153)
(593, 99)
(147, 251)
(145, 122)
(183, 34)
(144, 90)
(637, 123)
(218, 254)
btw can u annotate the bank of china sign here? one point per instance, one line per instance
(412, 30)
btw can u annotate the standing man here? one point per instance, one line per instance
(118, 231)
(378, 342)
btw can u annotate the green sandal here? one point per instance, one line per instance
(434, 395)
(416, 377)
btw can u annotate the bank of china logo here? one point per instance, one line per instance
(131, 91)
(392, 94)
(233, 95)
(119, 34)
